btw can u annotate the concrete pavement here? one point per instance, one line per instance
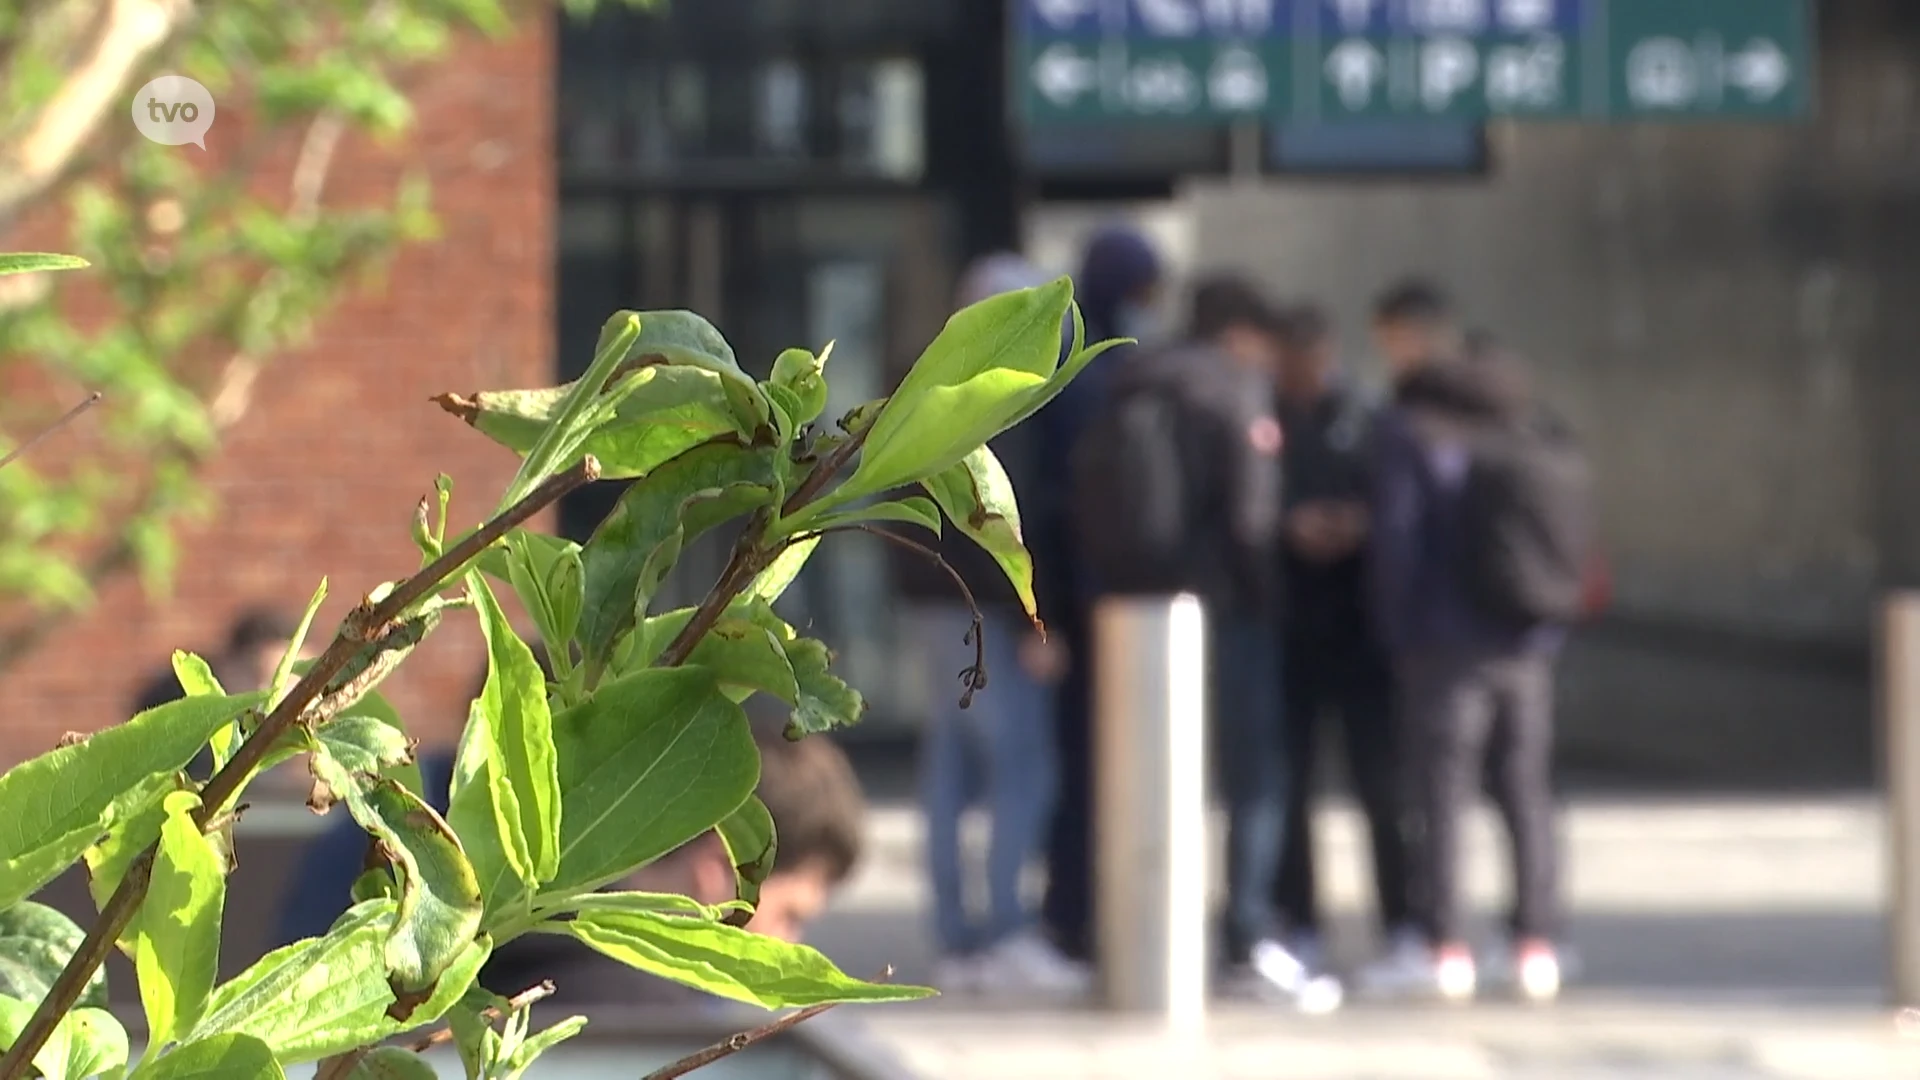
(1724, 939)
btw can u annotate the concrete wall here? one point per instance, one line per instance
(1727, 312)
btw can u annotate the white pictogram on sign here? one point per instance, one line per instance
(1662, 74)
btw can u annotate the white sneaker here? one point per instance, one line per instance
(1275, 973)
(1536, 971)
(957, 975)
(1412, 969)
(1026, 961)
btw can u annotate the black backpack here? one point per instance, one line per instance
(1130, 510)
(1529, 523)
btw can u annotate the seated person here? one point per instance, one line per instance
(818, 811)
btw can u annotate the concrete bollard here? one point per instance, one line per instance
(1898, 689)
(1150, 731)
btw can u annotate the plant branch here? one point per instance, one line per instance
(972, 679)
(733, 1044)
(490, 1014)
(365, 625)
(89, 402)
(89, 93)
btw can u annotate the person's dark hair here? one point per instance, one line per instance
(811, 792)
(1308, 325)
(1226, 301)
(1413, 300)
(259, 627)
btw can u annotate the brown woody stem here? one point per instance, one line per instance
(65, 418)
(748, 559)
(490, 1014)
(362, 626)
(973, 679)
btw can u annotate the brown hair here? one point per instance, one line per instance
(819, 812)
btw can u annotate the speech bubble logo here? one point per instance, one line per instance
(174, 110)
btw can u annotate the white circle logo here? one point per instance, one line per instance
(174, 110)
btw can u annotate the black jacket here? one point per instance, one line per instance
(1233, 478)
(1329, 456)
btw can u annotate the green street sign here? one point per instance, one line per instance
(1328, 61)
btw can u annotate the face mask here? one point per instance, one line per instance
(1139, 323)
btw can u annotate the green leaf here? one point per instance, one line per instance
(136, 828)
(824, 701)
(801, 373)
(991, 364)
(36, 942)
(664, 412)
(220, 1057)
(651, 761)
(197, 680)
(73, 791)
(527, 1052)
(86, 1042)
(440, 902)
(392, 1063)
(684, 339)
(727, 961)
(195, 675)
(515, 702)
(633, 549)
(323, 996)
(29, 262)
(912, 510)
(176, 937)
(485, 813)
(747, 657)
(978, 497)
(751, 844)
(365, 744)
(772, 582)
(562, 437)
(382, 745)
(546, 573)
(659, 903)
(283, 671)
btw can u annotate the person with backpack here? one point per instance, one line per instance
(1482, 534)
(998, 751)
(1332, 659)
(1118, 290)
(1176, 485)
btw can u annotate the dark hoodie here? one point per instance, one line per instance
(1119, 264)
(1420, 595)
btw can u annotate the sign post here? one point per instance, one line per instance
(1329, 61)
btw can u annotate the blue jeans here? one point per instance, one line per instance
(1000, 751)
(1251, 753)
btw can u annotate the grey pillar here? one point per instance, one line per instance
(1149, 700)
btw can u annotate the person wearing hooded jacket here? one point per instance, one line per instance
(1467, 682)
(1117, 287)
(998, 750)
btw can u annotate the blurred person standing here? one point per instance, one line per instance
(1118, 289)
(1482, 532)
(1333, 660)
(999, 751)
(1177, 489)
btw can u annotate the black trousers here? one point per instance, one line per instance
(1461, 708)
(1353, 682)
(1066, 912)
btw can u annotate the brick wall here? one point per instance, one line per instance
(321, 476)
